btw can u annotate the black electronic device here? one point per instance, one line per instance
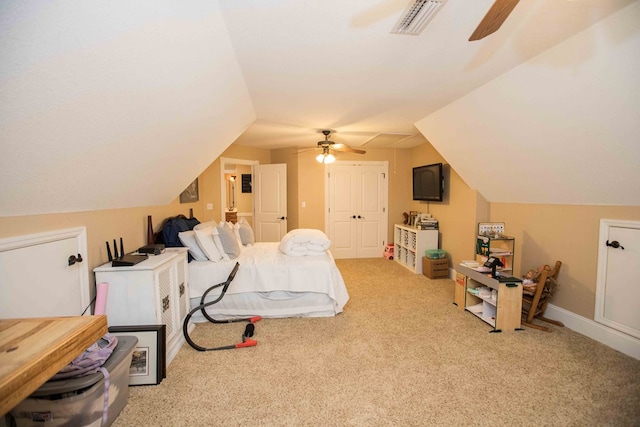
(156, 249)
(120, 259)
(493, 263)
(428, 183)
(128, 260)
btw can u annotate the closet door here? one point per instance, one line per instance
(357, 211)
(342, 227)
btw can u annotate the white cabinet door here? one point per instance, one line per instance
(617, 290)
(36, 278)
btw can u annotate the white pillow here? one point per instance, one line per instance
(205, 225)
(204, 237)
(245, 232)
(236, 232)
(218, 242)
(188, 238)
(229, 241)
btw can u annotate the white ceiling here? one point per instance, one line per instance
(333, 64)
(122, 104)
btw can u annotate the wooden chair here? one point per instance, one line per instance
(533, 306)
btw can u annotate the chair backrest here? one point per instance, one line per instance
(547, 283)
(551, 280)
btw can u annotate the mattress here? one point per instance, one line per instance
(270, 284)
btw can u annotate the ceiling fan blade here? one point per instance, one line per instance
(494, 18)
(346, 149)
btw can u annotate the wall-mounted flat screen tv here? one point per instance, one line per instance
(428, 183)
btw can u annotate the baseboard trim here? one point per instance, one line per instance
(601, 333)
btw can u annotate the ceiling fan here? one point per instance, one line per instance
(494, 18)
(327, 146)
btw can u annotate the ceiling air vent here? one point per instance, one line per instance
(416, 16)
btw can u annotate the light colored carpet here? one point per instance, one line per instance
(401, 354)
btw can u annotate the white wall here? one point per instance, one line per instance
(113, 104)
(561, 128)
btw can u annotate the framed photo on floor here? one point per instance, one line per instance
(148, 363)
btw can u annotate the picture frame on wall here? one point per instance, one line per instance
(246, 183)
(190, 194)
(148, 363)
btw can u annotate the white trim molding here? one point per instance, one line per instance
(592, 329)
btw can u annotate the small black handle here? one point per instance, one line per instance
(73, 259)
(283, 217)
(615, 244)
(353, 217)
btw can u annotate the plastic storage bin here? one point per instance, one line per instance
(80, 401)
(435, 253)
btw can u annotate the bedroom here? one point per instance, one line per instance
(122, 173)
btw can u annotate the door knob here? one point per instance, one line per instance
(615, 244)
(283, 218)
(353, 217)
(360, 217)
(73, 259)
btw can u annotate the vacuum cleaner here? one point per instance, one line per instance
(248, 331)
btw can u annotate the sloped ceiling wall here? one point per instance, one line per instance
(562, 128)
(113, 104)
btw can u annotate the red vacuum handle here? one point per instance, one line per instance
(248, 342)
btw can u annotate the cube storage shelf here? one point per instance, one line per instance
(410, 245)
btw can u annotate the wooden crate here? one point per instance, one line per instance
(435, 268)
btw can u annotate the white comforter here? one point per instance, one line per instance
(265, 269)
(304, 242)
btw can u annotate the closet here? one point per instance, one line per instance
(357, 205)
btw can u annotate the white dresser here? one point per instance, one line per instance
(153, 292)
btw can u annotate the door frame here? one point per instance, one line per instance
(224, 161)
(355, 163)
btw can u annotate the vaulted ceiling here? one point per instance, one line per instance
(334, 64)
(123, 104)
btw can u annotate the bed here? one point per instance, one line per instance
(296, 277)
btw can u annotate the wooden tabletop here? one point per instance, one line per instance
(33, 350)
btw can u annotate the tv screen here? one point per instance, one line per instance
(428, 183)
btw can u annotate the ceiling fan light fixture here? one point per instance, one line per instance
(416, 15)
(325, 157)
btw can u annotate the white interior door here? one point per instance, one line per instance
(357, 212)
(342, 211)
(270, 198)
(617, 289)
